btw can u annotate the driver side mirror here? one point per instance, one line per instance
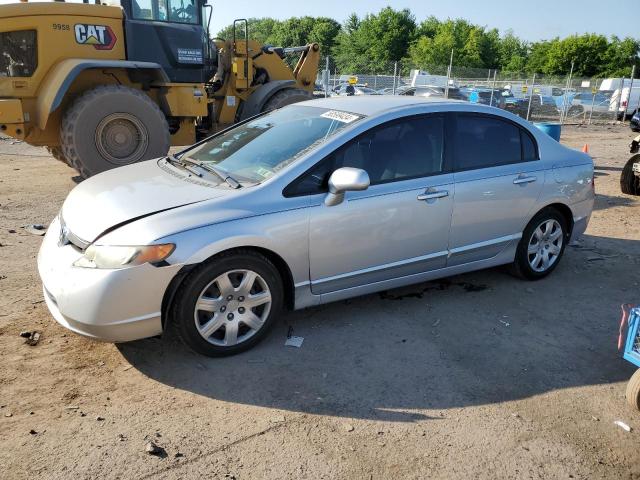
(345, 179)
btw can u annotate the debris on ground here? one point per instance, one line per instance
(506, 324)
(32, 339)
(8, 414)
(293, 341)
(153, 449)
(99, 418)
(348, 427)
(35, 229)
(121, 437)
(25, 334)
(11, 230)
(33, 432)
(623, 425)
(72, 407)
(277, 419)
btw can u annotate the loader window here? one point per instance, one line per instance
(183, 11)
(18, 53)
(150, 10)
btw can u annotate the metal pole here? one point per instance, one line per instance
(326, 80)
(619, 100)
(446, 88)
(395, 72)
(493, 87)
(565, 101)
(533, 84)
(624, 113)
(593, 101)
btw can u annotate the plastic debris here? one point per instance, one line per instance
(32, 339)
(293, 341)
(623, 425)
(35, 229)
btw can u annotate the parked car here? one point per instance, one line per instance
(634, 123)
(348, 89)
(316, 202)
(537, 105)
(485, 97)
(434, 91)
(587, 101)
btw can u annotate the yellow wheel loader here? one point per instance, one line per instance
(105, 85)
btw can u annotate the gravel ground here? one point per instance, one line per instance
(476, 376)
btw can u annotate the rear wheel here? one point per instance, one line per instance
(629, 183)
(287, 97)
(541, 246)
(633, 391)
(58, 154)
(228, 304)
(111, 126)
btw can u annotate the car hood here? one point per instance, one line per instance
(122, 195)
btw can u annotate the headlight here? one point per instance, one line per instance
(110, 256)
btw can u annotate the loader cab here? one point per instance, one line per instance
(172, 33)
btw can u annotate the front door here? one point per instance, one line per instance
(399, 226)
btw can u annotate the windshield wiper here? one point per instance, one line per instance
(232, 182)
(174, 161)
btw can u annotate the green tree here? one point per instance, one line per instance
(378, 40)
(300, 31)
(260, 29)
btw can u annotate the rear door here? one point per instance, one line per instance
(498, 179)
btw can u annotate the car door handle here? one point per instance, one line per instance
(523, 179)
(431, 195)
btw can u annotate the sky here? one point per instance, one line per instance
(533, 20)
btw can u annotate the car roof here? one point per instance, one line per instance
(372, 104)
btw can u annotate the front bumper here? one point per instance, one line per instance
(12, 118)
(109, 305)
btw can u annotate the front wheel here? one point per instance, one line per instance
(228, 304)
(542, 245)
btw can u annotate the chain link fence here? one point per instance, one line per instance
(562, 99)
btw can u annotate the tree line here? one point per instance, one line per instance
(371, 44)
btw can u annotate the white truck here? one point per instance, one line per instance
(625, 95)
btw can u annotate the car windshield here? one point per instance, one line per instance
(256, 150)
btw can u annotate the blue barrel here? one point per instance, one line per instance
(551, 129)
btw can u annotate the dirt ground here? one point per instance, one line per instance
(477, 376)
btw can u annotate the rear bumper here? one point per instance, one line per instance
(12, 117)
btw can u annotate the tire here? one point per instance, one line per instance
(633, 390)
(111, 126)
(222, 311)
(286, 97)
(522, 265)
(629, 183)
(56, 152)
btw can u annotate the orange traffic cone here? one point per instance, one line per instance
(585, 149)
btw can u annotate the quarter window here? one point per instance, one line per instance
(399, 150)
(485, 141)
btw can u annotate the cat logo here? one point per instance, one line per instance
(100, 36)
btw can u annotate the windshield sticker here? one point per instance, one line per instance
(264, 173)
(343, 117)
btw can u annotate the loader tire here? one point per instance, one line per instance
(286, 97)
(110, 126)
(56, 152)
(629, 183)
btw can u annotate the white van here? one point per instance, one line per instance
(629, 102)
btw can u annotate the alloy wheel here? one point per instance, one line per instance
(232, 308)
(545, 245)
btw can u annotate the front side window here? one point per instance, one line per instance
(256, 150)
(150, 10)
(18, 53)
(399, 150)
(485, 141)
(177, 11)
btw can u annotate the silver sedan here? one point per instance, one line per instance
(316, 202)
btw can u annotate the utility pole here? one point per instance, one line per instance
(446, 89)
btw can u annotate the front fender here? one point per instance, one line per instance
(57, 82)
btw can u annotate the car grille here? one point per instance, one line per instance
(18, 53)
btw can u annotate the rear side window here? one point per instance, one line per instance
(481, 141)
